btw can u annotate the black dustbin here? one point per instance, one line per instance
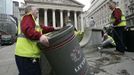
(64, 54)
(129, 38)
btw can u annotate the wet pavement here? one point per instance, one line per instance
(105, 62)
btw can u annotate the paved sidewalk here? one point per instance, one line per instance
(7, 62)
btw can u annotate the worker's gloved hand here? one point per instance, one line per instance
(44, 40)
(57, 28)
(126, 28)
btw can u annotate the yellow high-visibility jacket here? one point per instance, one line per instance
(26, 47)
(122, 23)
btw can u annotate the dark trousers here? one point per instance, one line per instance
(118, 36)
(26, 66)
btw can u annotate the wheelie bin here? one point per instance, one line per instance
(64, 53)
(129, 38)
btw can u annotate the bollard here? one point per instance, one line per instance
(64, 54)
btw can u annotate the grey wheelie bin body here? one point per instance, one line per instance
(129, 39)
(64, 54)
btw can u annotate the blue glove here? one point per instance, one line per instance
(126, 28)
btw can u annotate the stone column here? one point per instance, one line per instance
(68, 13)
(82, 25)
(54, 19)
(75, 19)
(37, 20)
(61, 18)
(45, 17)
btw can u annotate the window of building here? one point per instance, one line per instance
(92, 1)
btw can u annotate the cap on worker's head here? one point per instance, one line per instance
(29, 8)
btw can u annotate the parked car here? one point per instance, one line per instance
(8, 29)
(6, 39)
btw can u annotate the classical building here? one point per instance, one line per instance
(100, 11)
(58, 12)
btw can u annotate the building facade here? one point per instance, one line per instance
(16, 12)
(57, 12)
(100, 11)
(6, 7)
(129, 6)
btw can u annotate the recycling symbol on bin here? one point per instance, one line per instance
(75, 55)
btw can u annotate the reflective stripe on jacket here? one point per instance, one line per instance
(109, 37)
(26, 47)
